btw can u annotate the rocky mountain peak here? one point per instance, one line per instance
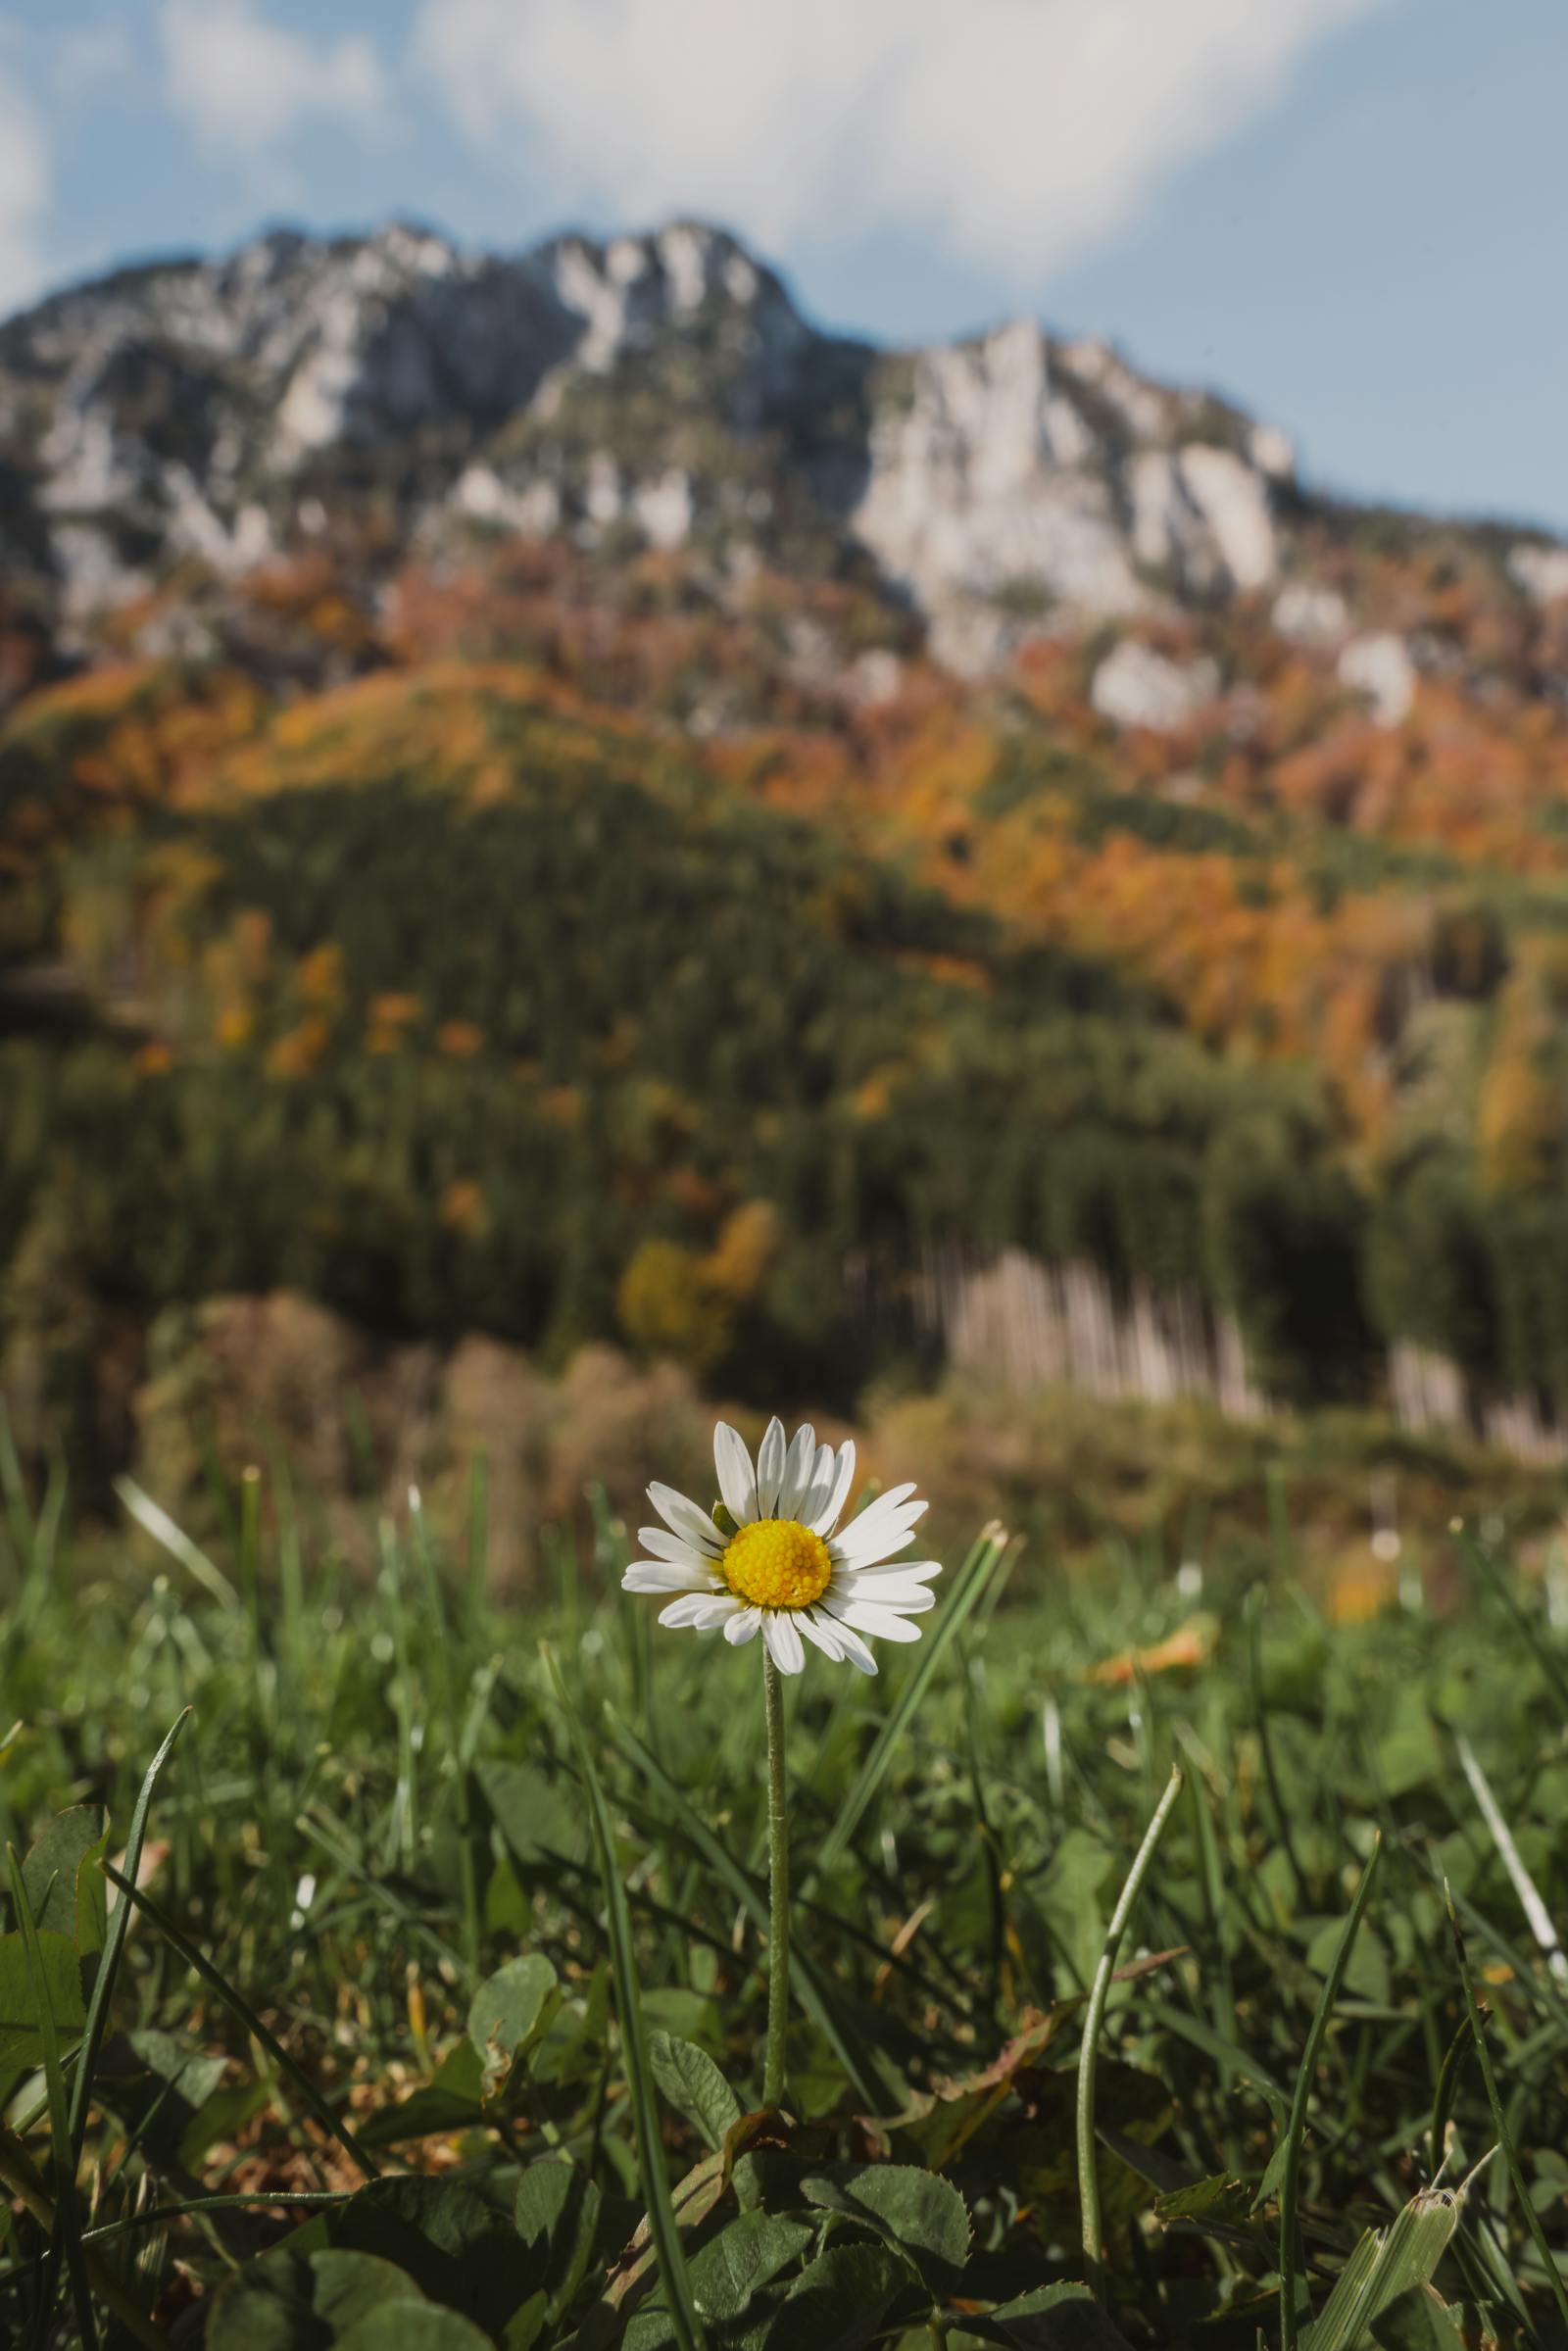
(661, 388)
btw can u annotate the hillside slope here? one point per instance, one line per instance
(544, 794)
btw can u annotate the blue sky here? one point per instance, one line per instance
(1345, 214)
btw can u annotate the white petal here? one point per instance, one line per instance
(820, 1487)
(737, 1479)
(838, 1493)
(690, 1609)
(743, 1625)
(853, 1647)
(890, 1506)
(823, 1631)
(783, 1640)
(910, 1599)
(770, 1468)
(799, 1463)
(692, 1525)
(877, 1534)
(660, 1543)
(883, 1624)
(657, 1575)
(717, 1609)
(896, 1571)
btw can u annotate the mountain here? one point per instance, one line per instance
(547, 795)
(659, 391)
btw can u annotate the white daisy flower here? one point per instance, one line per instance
(777, 1567)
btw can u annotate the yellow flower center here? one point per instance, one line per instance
(777, 1563)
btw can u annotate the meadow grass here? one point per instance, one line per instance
(438, 2017)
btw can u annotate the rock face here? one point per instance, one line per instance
(662, 387)
(657, 391)
(1136, 686)
(1380, 667)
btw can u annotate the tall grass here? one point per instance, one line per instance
(429, 2001)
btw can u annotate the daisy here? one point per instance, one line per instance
(768, 1559)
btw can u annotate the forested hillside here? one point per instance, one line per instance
(745, 925)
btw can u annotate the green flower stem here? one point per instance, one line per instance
(778, 1889)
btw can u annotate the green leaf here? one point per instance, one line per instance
(65, 1884)
(509, 2012)
(1411, 1751)
(508, 1911)
(1366, 1974)
(1216, 2198)
(449, 2101)
(223, 2116)
(922, 2215)
(458, 2250)
(557, 2215)
(1053, 2317)
(535, 1815)
(839, 2301)
(685, 2015)
(21, 2021)
(694, 2086)
(284, 2301)
(733, 2267)
(157, 2084)
(526, 2324)
(415, 2327)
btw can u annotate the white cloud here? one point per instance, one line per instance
(245, 85)
(1015, 132)
(24, 195)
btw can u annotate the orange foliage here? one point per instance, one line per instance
(458, 1039)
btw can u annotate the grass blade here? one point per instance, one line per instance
(67, 2218)
(478, 1538)
(663, 2225)
(1295, 2127)
(1519, 1877)
(1505, 2139)
(250, 1551)
(1089, 2053)
(103, 1983)
(1385, 2264)
(247, 2017)
(156, 1522)
(971, 1579)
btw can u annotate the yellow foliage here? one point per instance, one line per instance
(668, 1305)
(748, 1241)
(297, 1053)
(1361, 1587)
(1520, 1113)
(320, 975)
(673, 1301)
(873, 1094)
